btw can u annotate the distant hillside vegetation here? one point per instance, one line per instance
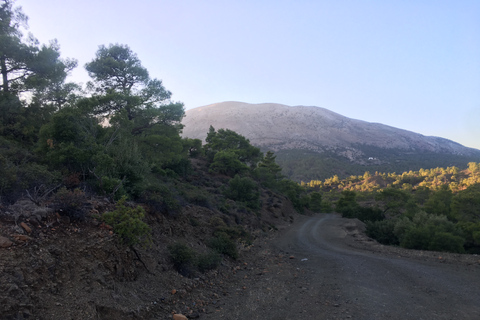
(315, 143)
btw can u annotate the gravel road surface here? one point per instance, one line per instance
(375, 285)
(324, 267)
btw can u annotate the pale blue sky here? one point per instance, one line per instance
(410, 64)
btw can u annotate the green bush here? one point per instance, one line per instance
(293, 191)
(416, 238)
(326, 206)
(128, 223)
(445, 241)
(244, 190)
(369, 214)
(181, 255)
(471, 232)
(316, 204)
(347, 204)
(235, 233)
(223, 244)
(382, 231)
(161, 198)
(208, 261)
(226, 162)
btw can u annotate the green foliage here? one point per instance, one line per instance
(416, 238)
(193, 147)
(466, 204)
(445, 241)
(161, 198)
(69, 140)
(471, 231)
(123, 87)
(182, 256)
(24, 65)
(198, 196)
(32, 85)
(316, 203)
(369, 214)
(268, 172)
(244, 190)
(347, 204)
(293, 192)
(439, 202)
(223, 244)
(392, 200)
(185, 258)
(208, 261)
(21, 170)
(430, 232)
(383, 231)
(234, 143)
(226, 162)
(128, 223)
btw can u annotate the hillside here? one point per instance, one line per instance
(324, 139)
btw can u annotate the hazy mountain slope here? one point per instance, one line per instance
(319, 131)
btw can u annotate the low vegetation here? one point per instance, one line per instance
(429, 209)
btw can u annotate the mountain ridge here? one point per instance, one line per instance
(318, 129)
(316, 143)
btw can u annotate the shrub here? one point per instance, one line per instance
(347, 204)
(162, 199)
(244, 190)
(326, 206)
(226, 162)
(112, 186)
(127, 223)
(445, 241)
(368, 214)
(316, 202)
(292, 191)
(471, 232)
(382, 231)
(223, 244)
(208, 261)
(416, 238)
(182, 257)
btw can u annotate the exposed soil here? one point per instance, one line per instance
(319, 267)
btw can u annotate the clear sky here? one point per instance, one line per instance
(411, 64)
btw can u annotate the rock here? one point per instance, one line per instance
(292, 257)
(26, 227)
(178, 316)
(4, 242)
(174, 291)
(21, 237)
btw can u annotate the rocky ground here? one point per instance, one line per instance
(56, 269)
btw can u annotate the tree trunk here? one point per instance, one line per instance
(3, 66)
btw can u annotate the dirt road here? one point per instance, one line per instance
(322, 267)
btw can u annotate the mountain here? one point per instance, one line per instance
(313, 142)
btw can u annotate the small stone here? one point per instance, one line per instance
(21, 237)
(174, 291)
(292, 257)
(4, 242)
(179, 316)
(26, 227)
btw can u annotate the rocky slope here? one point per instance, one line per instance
(280, 127)
(52, 267)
